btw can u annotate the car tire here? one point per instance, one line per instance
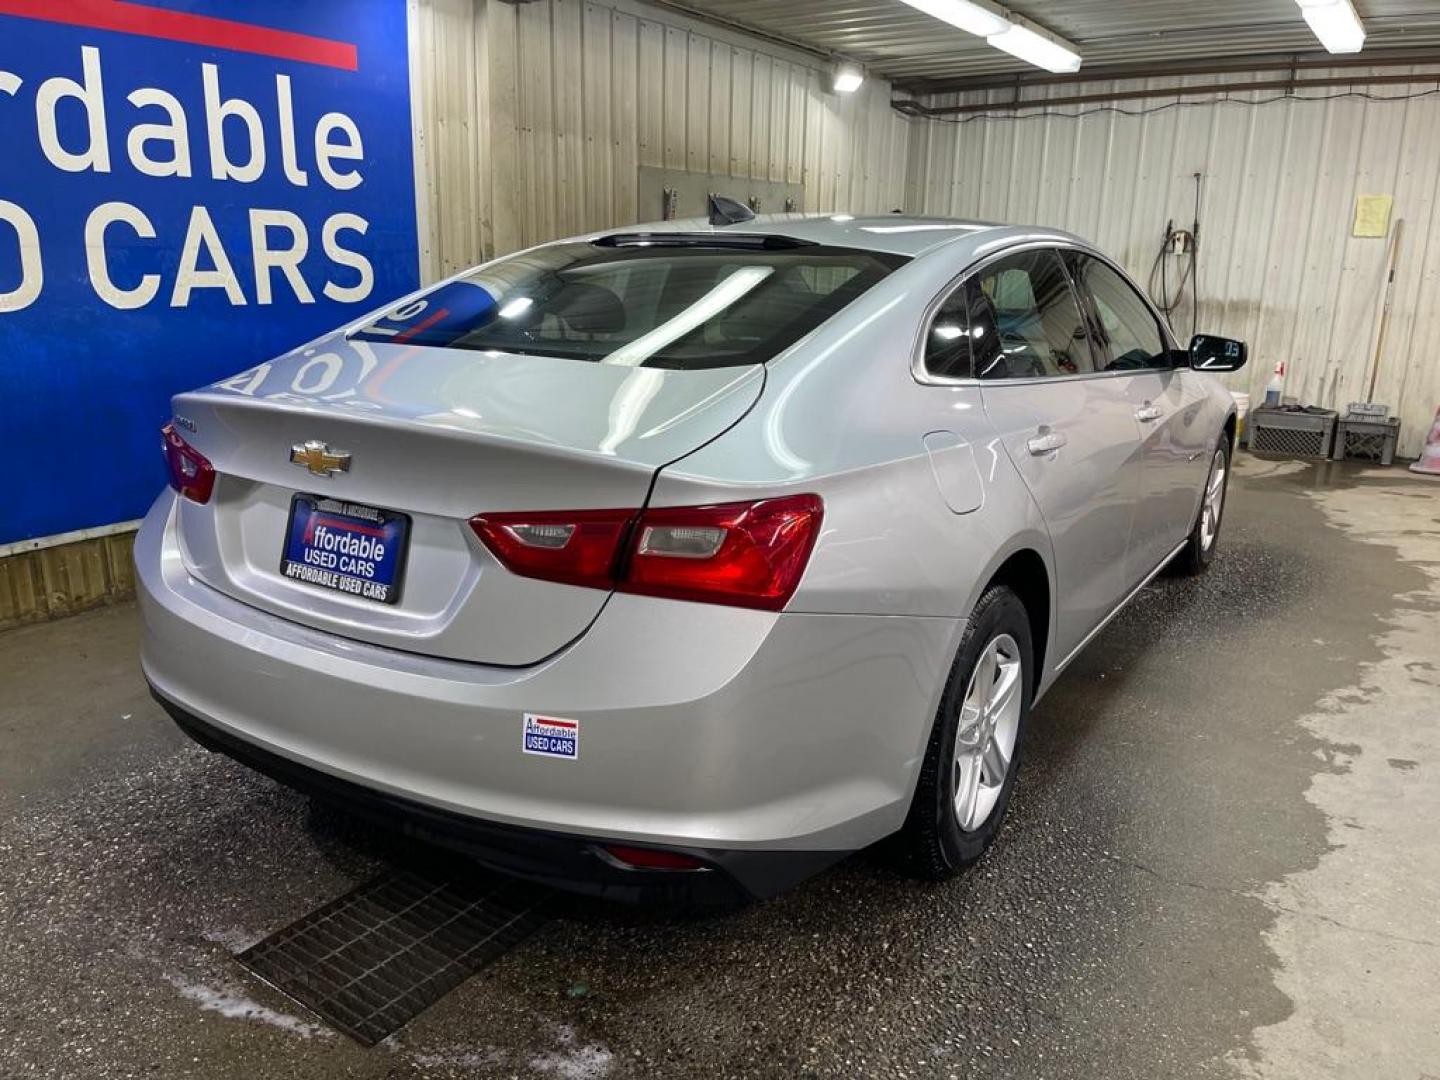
(1199, 550)
(938, 837)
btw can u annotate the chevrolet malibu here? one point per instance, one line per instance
(680, 561)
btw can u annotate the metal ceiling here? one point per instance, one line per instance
(922, 54)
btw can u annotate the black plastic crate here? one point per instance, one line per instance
(1303, 433)
(1366, 438)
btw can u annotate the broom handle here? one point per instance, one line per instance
(1385, 310)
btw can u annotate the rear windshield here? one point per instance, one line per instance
(660, 303)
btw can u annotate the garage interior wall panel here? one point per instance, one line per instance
(66, 578)
(1278, 266)
(533, 120)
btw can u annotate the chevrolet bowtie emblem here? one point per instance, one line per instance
(319, 458)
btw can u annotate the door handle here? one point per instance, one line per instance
(1046, 443)
(1148, 413)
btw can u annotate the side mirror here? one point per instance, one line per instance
(1210, 353)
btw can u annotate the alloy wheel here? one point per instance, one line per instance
(1214, 501)
(986, 734)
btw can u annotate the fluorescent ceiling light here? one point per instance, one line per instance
(982, 20)
(1039, 49)
(1008, 32)
(1335, 23)
(517, 307)
(848, 77)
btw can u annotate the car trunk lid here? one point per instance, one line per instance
(437, 435)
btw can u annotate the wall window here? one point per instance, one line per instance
(1024, 322)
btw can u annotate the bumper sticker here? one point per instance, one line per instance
(549, 736)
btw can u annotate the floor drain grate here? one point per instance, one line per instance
(376, 957)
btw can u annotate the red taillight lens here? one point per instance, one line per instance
(747, 554)
(577, 547)
(190, 473)
(651, 859)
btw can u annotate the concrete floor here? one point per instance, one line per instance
(1222, 860)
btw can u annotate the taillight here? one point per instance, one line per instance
(190, 473)
(577, 547)
(749, 554)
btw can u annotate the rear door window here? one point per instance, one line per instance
(1024, 321)
(663, 302)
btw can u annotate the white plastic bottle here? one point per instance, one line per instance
(1275, 388)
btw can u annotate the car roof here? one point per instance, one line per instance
(897, 234)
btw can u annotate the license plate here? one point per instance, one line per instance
(352, 549)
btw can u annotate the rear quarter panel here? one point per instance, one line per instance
(843, 416)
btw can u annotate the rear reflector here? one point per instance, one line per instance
(190, 473)
(749, 554)
(650, 859)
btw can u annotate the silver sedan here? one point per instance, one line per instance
(681, 560)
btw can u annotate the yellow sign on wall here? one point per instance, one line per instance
(1372, 215)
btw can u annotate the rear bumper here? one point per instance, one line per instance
(565, 861)
(766, 745)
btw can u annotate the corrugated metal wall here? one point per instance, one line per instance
(579, 95)
(1278, 264)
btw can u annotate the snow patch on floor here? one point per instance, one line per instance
(234, 1004)
(233, 939)
(459, 1057)
(587, 1062)
(571, 1061)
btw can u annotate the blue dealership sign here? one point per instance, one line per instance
(187, 187)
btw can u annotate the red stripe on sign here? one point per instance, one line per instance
(552, 722)
(421, 326)
(353, 526)
(128, 18)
